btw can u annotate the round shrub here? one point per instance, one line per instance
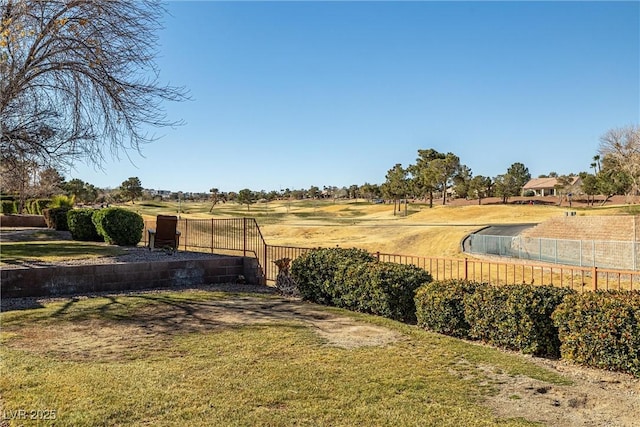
(56, 218)
(81, 225)
(118, 226)
(516, 317)
(440, 306)
(601, 329)
(315, 271)
(381, 288)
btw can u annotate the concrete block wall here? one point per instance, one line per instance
(84, 279)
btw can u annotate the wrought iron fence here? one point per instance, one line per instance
(242, 236)
(503, 272)
(238, 236)
(583, 253)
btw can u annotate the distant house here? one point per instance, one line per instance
(548, 186)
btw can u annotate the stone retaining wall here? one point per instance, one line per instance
(84, 279)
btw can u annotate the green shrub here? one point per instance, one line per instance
(35, 206)
(9, 207)
(315, 271)
(353, 279)
(62, 201)
(601, 329)
(118, 226)
(40, 205)
(440, 306)
(516, 317)
(56, 218)
(381, 288)
(81, 225)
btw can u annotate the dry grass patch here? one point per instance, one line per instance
(426, 231)
(206, 358)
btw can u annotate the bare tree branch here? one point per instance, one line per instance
(85, 71)
(621, 147)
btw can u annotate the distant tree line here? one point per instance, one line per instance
(615, 170)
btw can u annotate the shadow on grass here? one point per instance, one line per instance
(178, 313)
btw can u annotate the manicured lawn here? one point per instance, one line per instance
(20, 252)
(207, 358)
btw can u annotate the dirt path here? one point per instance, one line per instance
(596, 397)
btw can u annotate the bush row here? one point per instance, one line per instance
(353, 279)
(516, 317)
(115, 226)
(31, 207)
(600, 329)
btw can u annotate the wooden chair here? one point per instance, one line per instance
(165, 235)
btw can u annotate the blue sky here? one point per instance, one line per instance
(295, 94)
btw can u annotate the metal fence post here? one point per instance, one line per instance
(580, 253)
(519, 247)
(466, 268)
(539, 249)
(244, 237)
(186, 233)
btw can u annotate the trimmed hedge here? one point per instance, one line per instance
(601, 329)
(81, 225)
(516, 317)
(9, 207)
(315, 271)
(440, 306)
(56, 218)
(37, 206)
(119, 226)
(382, 288)
(353, 279)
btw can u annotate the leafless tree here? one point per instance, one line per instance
(19, 177)
(621, 147)
(78, 78)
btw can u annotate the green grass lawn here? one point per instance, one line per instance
(20, 252)
(178, 358)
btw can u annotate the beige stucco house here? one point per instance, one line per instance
(548, 186)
